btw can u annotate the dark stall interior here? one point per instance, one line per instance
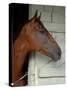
(18, 15)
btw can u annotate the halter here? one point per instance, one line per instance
(12, 84)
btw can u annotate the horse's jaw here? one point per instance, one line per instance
(53, 56)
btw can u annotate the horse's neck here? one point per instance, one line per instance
(20, 49)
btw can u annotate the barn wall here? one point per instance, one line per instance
(42, 71)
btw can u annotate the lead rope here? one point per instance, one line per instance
(12, 84)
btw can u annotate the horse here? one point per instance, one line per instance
(34, 37)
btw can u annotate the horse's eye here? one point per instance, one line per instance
(41, 32)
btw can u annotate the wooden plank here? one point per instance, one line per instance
(59, 9)
(51, 81)
(47, 8)
(31, 66)
(58, 18)
(52, 69)
(54, 27)
(46, 16)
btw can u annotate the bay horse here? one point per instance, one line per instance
(34, 37)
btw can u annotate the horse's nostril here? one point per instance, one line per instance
(59, 53)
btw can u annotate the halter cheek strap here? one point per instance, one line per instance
(12, 84)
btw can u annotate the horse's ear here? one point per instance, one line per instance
(39, 16)
(36, 13)
(35, 16)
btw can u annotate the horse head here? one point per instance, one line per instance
(40, 40)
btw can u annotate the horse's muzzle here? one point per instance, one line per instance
(57, 55)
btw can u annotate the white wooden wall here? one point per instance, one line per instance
(43, 71)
